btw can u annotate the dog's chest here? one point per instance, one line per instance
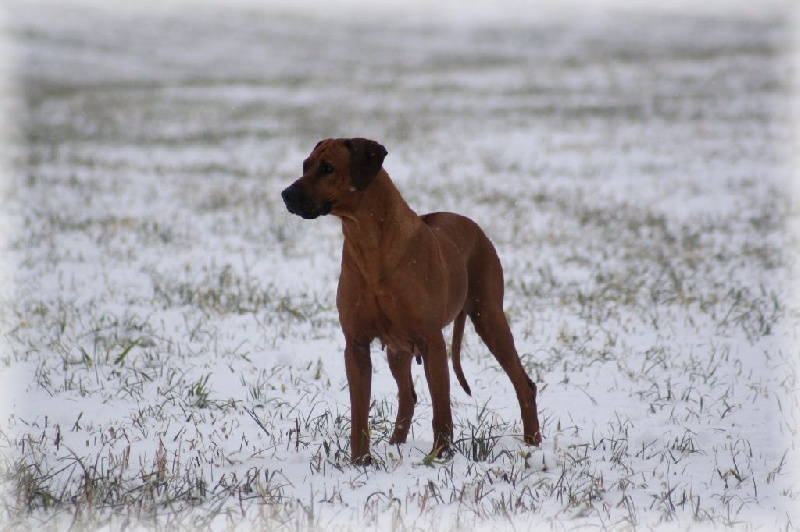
(391, 318)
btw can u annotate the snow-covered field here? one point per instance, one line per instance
(171, 356)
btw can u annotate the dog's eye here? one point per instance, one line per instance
(305, 166)
(326, 169)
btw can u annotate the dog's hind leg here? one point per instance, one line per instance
(492, 326)
(485, 308)
(437, 373)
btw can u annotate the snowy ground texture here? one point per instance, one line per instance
(171, 355)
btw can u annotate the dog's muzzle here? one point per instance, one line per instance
(298, 202)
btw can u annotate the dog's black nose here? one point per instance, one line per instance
(292, 196)
(300, 203)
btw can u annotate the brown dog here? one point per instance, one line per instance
(404, 278)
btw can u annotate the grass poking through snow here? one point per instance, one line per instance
(172, 356)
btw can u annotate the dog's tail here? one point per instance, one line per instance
(458, 334)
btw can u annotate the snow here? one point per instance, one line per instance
(171, 330)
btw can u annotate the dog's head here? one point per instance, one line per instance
(333, 175)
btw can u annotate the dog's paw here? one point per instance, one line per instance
(534, 439)
(441, 452)
(363, 460)
(398, 436)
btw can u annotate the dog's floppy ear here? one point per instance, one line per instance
(366, 159)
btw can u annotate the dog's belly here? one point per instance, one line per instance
(401, 345)
(394, 324)
(398, 339)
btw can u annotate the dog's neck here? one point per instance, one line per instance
(381, 230)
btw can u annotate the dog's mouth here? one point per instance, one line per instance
(297, 202)
(309, 214)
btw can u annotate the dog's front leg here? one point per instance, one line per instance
(359, 379)
(400, 364)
